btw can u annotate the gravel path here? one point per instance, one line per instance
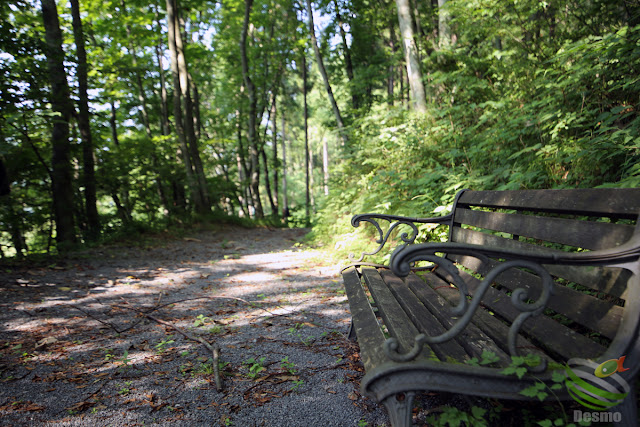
(81, 342)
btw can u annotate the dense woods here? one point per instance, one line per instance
(120, 115)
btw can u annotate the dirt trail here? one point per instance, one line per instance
(77, 346)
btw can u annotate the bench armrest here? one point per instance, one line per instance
(394, 221)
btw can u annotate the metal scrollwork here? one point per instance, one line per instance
(466, 309)
(383, 237)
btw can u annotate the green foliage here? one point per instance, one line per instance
(531, 95)
(487, 358)
(255, 367)
(520, 365)
(453, 417)
(559, 112)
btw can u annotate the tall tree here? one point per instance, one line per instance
(173, 28)
(348, 63)
(253, 102)
(62, 179)
(142, 98)
(418, 96)
(275, 153)
(186, 83)
(325, 77)
(88, 176)
(305, 88)
(444, 30)
(285, 196)
(325, 165)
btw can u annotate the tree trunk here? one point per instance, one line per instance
(203, 205)
(417, 26)
(444, 31)
(348, 63)
(172, 29)
(142, 99)
(164, 104)
(243, 170)
(285, 199)
(253, 142)
(325, 165)
(275, 153)
(418, 97)
(88, 160)
(62, 179)
(392, 70)
(274, 210)
(197, 121)
(306, 137)
(325, 77)
(114, 125)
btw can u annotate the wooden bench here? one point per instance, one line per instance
(553, 273)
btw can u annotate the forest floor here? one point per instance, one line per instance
(89, 340)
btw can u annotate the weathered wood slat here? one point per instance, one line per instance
(548, 333)
(619, 202)
(598, 315)
(583, 234)
(494, 328)
(604, 279)
(472, 339)
(423, 318)
(370, 337)
(394, 317)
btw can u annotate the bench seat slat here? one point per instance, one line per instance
(583, 234)
(622, 203)
(550, 334)
(598, 315)
(472, 338)
(394, 317)
(425, 321)
(497, 330)
(369, 335)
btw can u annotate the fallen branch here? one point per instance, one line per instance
(250, 303)
(117, 330)
(215, 350)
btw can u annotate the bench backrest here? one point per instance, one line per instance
(588, 311)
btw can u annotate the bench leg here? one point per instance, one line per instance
(628, 409)
(352, 332)
(399, 407)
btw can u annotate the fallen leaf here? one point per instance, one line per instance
(80, 406)
(46, 341)
(33, 407)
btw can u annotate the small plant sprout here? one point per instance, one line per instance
(161, 346)
(255, 367)
(124, 360)
(288, 366)
(126, 389)
(201, 320)
(297, 384)
(215, 330)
